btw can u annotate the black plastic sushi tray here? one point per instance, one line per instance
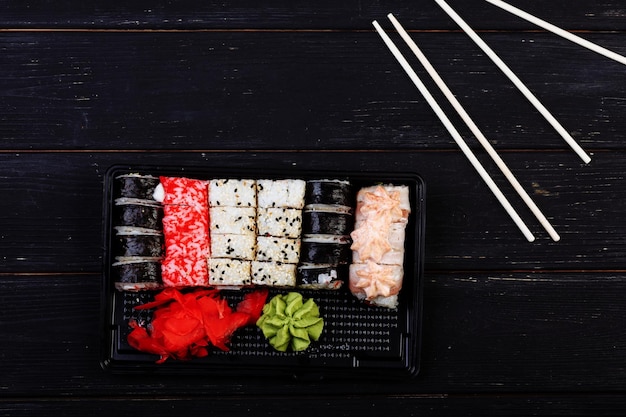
(358, 340)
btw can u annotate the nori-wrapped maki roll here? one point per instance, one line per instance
(138, 213)
(329, 277)
(319, 250)
(327, 223)
(137, 186)
(329, 192)
(134, 242)
(136, 274)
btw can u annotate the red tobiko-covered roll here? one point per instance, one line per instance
(186, 232)
(185, 192)
(182, 271)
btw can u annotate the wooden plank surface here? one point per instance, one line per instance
(509, 327)
(290, 90)
(437, 405)
(346, 15)
(53, 205)
(483, 333)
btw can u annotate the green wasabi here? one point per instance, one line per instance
(289, 321)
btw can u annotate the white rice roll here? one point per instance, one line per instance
(273, 274)
(280, 222)
(232, 220)
(229, 272)
(233, 246)
(288, 193)
(232, 193)
(278, 249)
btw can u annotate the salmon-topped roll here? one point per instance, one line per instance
(377, 270)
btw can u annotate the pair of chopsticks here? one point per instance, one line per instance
(469, 122)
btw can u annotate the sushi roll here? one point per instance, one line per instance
(186, 232)
(133, 242)
(320, 276)
(183, 271)
(274, 274)
(233, 229)
(232, 193)
(278, 249)
(332, 192)
(377, 284)
(229, 273)
(233, 246)
(287, 193)
(376, 274)
(281, 222)
(319, 249)
(138, 244)
(279, 228)
(138, 213)
(137, 274)
(399, 207)
(137, 186)
(229, 220)
(182, 191)
(327, 221)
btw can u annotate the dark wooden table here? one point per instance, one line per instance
(509, 327)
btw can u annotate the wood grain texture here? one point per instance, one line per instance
(53, 205)
(489, 333)
(509, 327)
(293, 91)
(346, 15)
(418, 405)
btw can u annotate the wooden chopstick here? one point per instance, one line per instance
(558, 31)
(455, 134)
(475, 130)
(516, 81)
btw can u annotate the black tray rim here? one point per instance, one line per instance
(413, 345)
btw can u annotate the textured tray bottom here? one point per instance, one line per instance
(356, 337)
(353, 332)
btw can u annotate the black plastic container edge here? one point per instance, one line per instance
(362, 364)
